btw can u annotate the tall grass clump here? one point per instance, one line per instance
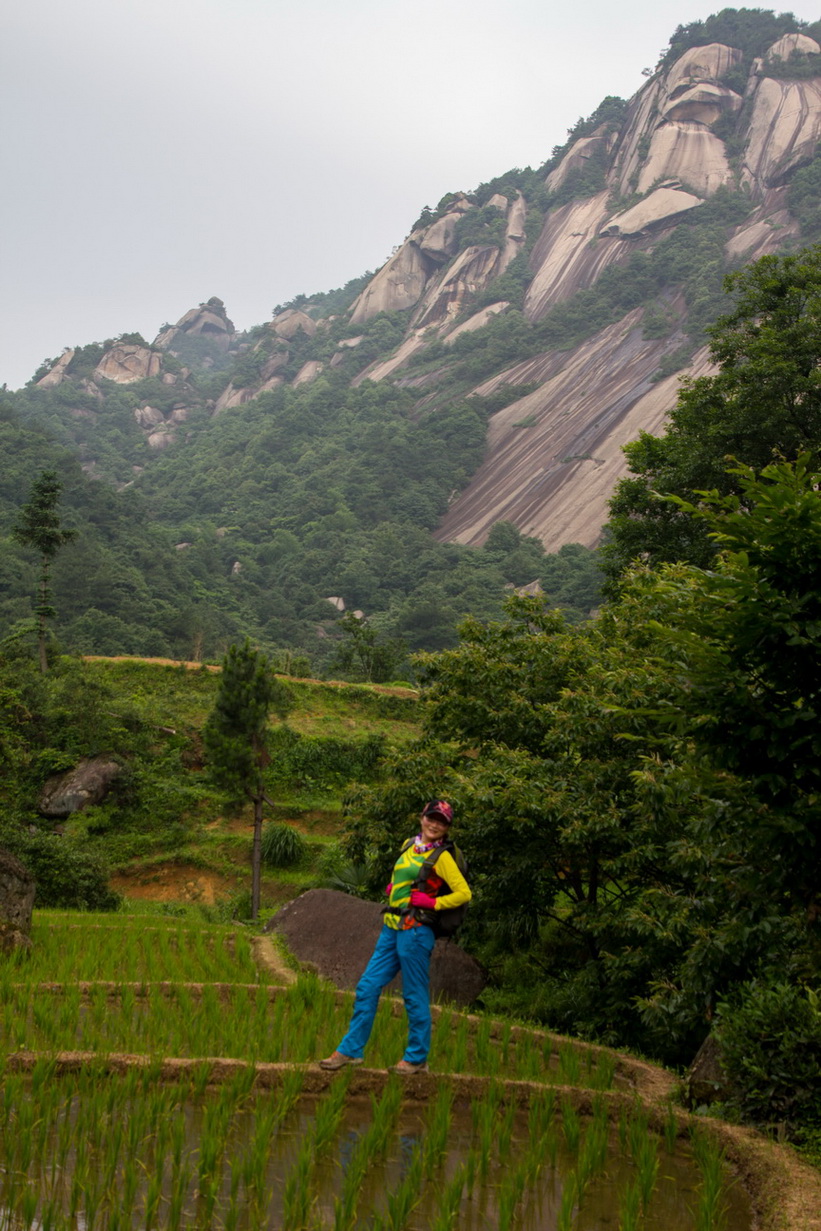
(282, 846)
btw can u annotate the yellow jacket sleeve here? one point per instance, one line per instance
(448, 869)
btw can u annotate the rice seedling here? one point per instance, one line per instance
(403, 1200)
(504, 1132)
(630, 1209)
(570, 1066)
(646, 1159)
(509, 1196)
(296, 1195)
(710, 1211)
(571, 1125)
(447, 1216)
(438, 1130)
(567, 1205)
(670, 1129)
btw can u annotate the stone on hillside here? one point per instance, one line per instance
(291, 321)
(477, 321)
(686, 151)
(308, 372)
(470, 272)
(397, 286)
(704, 103)
(148, 416)
(88, 783)
(706, 1082)
(784, 130)
(662, 206)
(791, 44)
(577, 157)
(126, 363)
(17, 889)
(708, 63)
(337, 933)
(56, 374)
(208, 320)
(438, 241)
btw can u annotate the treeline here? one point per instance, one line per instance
(309, 493)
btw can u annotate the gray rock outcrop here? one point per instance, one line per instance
(88, 783)
(125, 362)
(208, 320)
(336, 933)
(17, 890)
(57, 373)
(706, 1082)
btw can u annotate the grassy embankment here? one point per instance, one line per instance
(170, 835)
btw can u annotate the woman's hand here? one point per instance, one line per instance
(423, 900)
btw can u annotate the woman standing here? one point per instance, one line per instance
(406, 941)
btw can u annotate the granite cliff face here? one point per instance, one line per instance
(554, 455)
(715, 125)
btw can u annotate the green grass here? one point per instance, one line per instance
(169, 816)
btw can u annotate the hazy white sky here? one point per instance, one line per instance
(158, 152)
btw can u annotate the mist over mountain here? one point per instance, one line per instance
(411, 445)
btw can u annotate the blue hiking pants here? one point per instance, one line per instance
(408, 950)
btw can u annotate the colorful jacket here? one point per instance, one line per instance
(405, 871)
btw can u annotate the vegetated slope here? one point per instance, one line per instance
(490, 371)
(166, 829)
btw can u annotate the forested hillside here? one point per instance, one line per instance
(409, 446)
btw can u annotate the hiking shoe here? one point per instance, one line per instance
(337, 1060)
(407, 1069)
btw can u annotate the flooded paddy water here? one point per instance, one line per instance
(86, 1151)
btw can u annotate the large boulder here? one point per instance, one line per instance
(88, 783)
(17, 888)
(706, 1082)
(337, 933)
(125, 362)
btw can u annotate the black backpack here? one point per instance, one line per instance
(442, 922)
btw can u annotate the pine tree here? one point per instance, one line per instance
(236, 736)
(38, 526)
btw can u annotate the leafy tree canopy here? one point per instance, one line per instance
(765, 401)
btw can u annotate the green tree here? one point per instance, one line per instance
(236, 736)
(765, 402)
(39, 526)
(365, 655)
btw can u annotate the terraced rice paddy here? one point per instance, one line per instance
(514, 1129)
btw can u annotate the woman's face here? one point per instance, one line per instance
(433, 828)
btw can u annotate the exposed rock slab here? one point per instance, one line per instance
(88, 783)
(17, 890)
(766, 230)
(398, 285)
(791, 44)
(469, 273)
(566, 437)
(785, 127)
(688, 152)
(569, 255)
(57, 373)
(308, 372)
(577, 157)
(477, 321)
(208, 320)
(337, 933)
(126, 363)
(289, 323)
(663, 206)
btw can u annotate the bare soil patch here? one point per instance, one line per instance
(173, 882)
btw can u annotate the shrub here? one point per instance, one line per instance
(282, 846)
(67, 878)
(770, 1039)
